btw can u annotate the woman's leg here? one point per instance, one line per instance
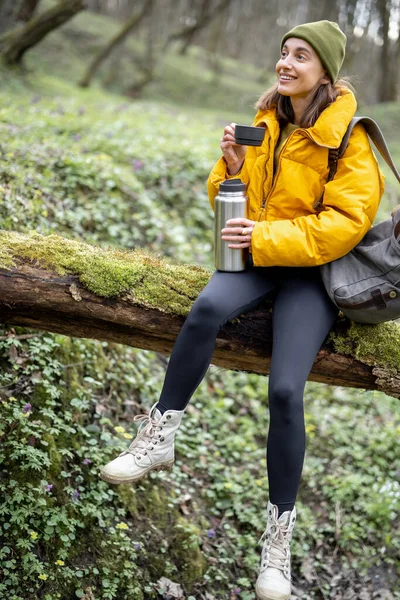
(302, 316)
(226, 296)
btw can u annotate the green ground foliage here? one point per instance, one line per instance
(96, 168)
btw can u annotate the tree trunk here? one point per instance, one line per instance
(146, 68)
(187, 34)
(387, 90)
(191, 34)
(95, 5)
(16, 42)
(39, 298)
(214, 40)
(105, 52)
(396, 66)
(9, 10)
(327, 9)
(27, 10)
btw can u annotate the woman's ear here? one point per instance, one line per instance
(325, 79)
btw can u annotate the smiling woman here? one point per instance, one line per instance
(305, 115)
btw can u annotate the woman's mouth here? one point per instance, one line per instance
(285, 78)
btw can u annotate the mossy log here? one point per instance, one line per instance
(141, 299)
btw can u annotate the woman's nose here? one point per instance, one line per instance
(285, 61)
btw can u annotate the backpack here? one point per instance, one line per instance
(365, 283)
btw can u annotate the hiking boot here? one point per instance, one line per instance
(274, 580)
(152, 449)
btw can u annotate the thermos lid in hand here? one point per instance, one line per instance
(232, 185)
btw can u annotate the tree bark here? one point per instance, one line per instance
(146, 67)
(9, 10)
(192, 31)
(387, 88)
(16, 42)
(34, 297)
(105, 52)
(187, 34)
(27, 10)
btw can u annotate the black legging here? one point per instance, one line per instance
(302, 316)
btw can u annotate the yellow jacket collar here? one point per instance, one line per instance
(330, 126)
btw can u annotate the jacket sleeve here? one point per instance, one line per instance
(219, 173)
(351, 202)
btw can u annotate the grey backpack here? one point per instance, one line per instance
(365, 283)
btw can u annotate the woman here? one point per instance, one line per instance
(305, 115)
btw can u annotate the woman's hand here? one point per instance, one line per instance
(234, 154)
(238, 231)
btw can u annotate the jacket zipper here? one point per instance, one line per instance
(264, 201)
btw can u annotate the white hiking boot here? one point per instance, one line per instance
(274, 580)
(152, 449)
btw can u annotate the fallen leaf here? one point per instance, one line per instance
(307, 569)
(336, 580)
(382, 594)
(186, 469)
(36, 377)
(169, 589)
(75, 293)
(88, 594)
(183, 504)
(184, 509)
(297, 593)
(350, 595)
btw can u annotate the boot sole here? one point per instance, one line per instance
(113, 479)
(262, 596)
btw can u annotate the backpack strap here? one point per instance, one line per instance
(376, 135)
(373, 130)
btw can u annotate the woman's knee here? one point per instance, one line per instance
(285, 398)
(204, 314)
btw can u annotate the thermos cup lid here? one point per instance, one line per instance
(249, 135)
(232, 185)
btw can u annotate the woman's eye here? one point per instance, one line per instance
(301, 56)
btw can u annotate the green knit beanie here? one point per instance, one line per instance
(328, 41)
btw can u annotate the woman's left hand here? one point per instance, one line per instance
(239, 232)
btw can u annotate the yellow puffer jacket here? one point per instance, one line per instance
(289, 231)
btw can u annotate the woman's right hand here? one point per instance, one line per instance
(234, 154)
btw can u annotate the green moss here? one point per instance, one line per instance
(128, 499)
(39, 396)
(154, 503)
(54, 455)
(377, 345)
(186, 551)
(142, 277)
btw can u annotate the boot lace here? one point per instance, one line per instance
(276, 552)
(147, 433)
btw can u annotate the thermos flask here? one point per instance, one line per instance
(230, 203)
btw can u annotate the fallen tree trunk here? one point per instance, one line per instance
(62, 286)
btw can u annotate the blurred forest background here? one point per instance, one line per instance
(111, 113)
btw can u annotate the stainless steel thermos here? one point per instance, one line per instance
(230, 203)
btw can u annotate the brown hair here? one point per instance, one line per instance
(325, 95)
